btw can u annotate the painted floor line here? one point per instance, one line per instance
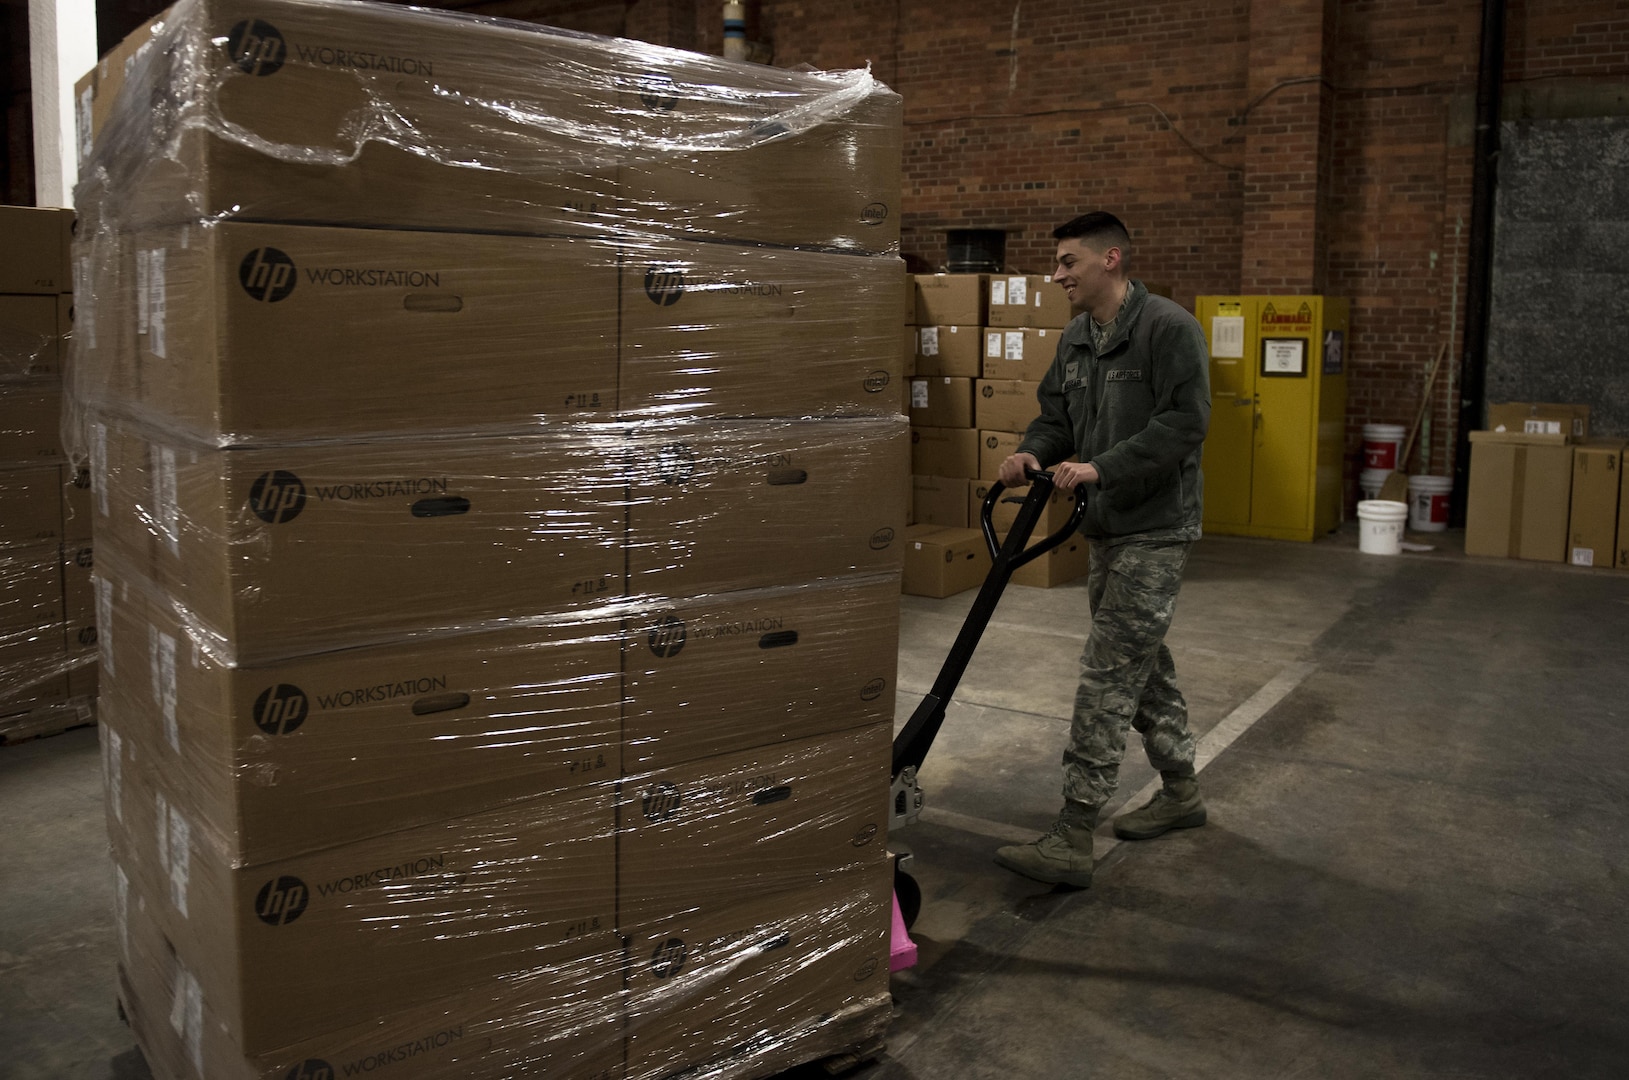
(1212, 743)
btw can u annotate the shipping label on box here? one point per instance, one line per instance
(726, 672)
(706, 328)
(1018, 354)
(1028, 300)
(1005, 405)
(938, 451)
(948, 350)
(951, 299)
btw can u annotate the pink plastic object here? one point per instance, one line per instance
(902, 952)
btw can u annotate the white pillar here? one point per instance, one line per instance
(62, 47)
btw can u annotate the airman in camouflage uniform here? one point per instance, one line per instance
(1128, 395)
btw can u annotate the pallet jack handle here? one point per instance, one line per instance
(911, 745)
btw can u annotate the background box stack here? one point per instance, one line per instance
(984, 343)
(1541, 488)
(500, 609)
(47, 635)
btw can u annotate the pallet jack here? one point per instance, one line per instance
(914, 740)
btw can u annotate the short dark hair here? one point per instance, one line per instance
(1098, 228)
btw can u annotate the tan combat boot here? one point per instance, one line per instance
(1063, 856)
(1177, 805)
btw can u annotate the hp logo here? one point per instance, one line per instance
(664, 285)
(267, 275)
(281, 709)
(277, 497)
(256, 47)
(658, 92)
(311, 1069)
(281, 901)
(667, 637)
(667, 960)
(661, 802)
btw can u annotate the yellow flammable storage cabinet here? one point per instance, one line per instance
(1278, 411)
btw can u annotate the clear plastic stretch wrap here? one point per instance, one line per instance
(498, 478)
(47, 643)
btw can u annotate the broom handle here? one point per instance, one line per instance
(1425, 403)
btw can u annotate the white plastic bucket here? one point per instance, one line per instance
(1380, 526)
(1382, 446)
(1428, 502)
(1370, 480)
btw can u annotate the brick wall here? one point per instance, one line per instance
(1312, 145)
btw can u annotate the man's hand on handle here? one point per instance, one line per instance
(1066, 476)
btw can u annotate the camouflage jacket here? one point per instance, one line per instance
(1138, 410)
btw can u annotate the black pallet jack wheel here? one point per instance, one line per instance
(909, 895)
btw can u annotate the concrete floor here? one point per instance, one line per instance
(1414, 867)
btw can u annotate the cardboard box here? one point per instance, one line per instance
(30, 504)
(719, 506)
(1028, 300)
(562, 1020)
(259, 333)
(707, 330)
(1063, 564)
(730, 151)
(948, 350)
(285, 551)
(425, 912)
(1019, 354)
(1519, 495)
(938, 451)
(30, 424)
(34, 250)
(329, 749)
(1592, 529)
(763, 983)
(909, 352)
(1005, 405)
(996, 447)
(33, 657)
(767, 821)
(1532, 418)
(939, 500)
(951, 299)
(941, 401)
(941, 561)
(723, 673)
(1060, 506)
(30, 339)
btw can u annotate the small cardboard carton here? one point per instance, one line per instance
(1592, 528)
(941, 561)
(939, 500)
(34, 252)
(1028, 300)
(1005, 405)
(951, 299)
(940, 451)
(1018, 354)
(1519, 496)
(948, 350)
(1536, 418)
(941, 401)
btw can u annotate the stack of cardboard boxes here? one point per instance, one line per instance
(47, 630)
(984, 341)
(1541, 488)
(500, 581)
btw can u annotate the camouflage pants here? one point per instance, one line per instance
(1127, 678)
